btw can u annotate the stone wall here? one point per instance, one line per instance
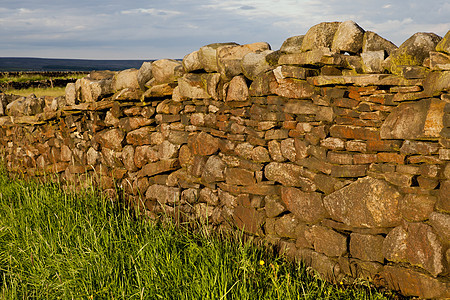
(335, 148)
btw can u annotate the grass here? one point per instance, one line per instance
(36, 77)
(39, 92)
(57, 245)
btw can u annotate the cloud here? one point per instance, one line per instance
(151, 11)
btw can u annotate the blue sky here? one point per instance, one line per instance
(138, 29)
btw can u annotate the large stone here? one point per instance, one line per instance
(238, 176)
(159, 167)
(71, 94)
(374, 42)
(436, 82)
(248, 219)
(441, 224)
(415, 207)
(348, 38)
(289, 175)
(214, 169)
(237, 89)
(366, 203)
(373, 61)
(128, 158)
(92, 90)
(286, 226)
(367, 247)
(28, 106)
(111, 139)
(416, 244)
(413, 283)
(126, 79)
(292, 44)
(439, 61)
(229, 57)
(204, 144)
(144, 74)
(144, 155)
(255, 63)
(412, 52)
(292, 88)
(444, 44)
(422, 119)
(317, 57)
(208, 56)
(327, 241)
(191, 62)
(308, 207)
(167, 70)
(163, 194)
(273, 206)
(141, 136)
(320, 35)
(199, 86)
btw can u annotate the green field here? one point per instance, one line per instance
(58, 245)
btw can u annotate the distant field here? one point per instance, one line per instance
(52, 64)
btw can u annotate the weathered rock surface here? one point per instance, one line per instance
(307, 207)
(444, 44)
(292, 44)
(320, 35)
(366, 203)
(166, 70)
(348, 38)
(416, 244)
(374, 42)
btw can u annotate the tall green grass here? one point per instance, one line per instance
(57, 245)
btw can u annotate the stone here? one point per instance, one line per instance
(144, 74)
(367, 247)
(416, 147)
(288, 175)
(28, 106)
(126, 79)
(441, 225)
(320, 35)
(374, 42)
(208, 196)
(260, 154)
(415, 207)
(275, 151)
(286, 226)
(141, 136)
(439, 61)
(128, 158)
(214, 169)
(237, 89)
(348, 38)
(373, 61)
(293, 88)
(159, 91)
(191, 62)
(417, 120)
(111, 139)
(204, 144)
(208, 56)
(317, 57)
(273, 206)
(244, 150)
(416, 244)
(261, 84)
(144, 155)
(255, 63)
(238, 176)
(167, 150)
(288, 149)
(412, 52)
(286, 71)
(163, 194)
(128, 94)
(366, 203)
(327, 241)
(229, 57)
(71, 94)
(444, 44)
(249, 219)
(91, 90)
(436, 82)
(166, 70)
(292, 44)
(443, 202)
(307, 207)
(414, 283)
(198, 86)
(92, 156)
(66, 153)
(159, 167)
(333, 143)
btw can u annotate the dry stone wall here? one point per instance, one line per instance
(335, 148)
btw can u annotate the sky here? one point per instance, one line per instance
(153, 29)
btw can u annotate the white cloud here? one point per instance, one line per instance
(151, 11)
